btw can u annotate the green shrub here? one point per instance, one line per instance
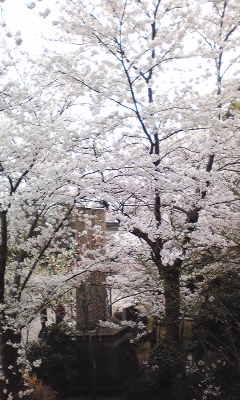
(72, 364)
(216, 334)
(168, 363)
(59, 358)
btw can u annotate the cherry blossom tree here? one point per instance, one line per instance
(45, 163)
(159, 77)
(154, 83)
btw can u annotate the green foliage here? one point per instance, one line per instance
(72, 363)
(235, 105)
(168, 363)
(58, 358)
(145, 386)
(217, 332)
(216, 327)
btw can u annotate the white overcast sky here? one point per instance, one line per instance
(33, 22)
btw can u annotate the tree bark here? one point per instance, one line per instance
(171, 282)
(3, 253)
(10, 340)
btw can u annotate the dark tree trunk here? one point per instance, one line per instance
(10, 340)
(170, 276)
(171, 282)
(3, 252)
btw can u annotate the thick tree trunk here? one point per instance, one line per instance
(3, 253)
(10, 340)
(171, 282)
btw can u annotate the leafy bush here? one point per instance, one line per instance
(39, 390)
(145, 386)
(58, 358)
(168, 363)
(217, 332)
(72, 364)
